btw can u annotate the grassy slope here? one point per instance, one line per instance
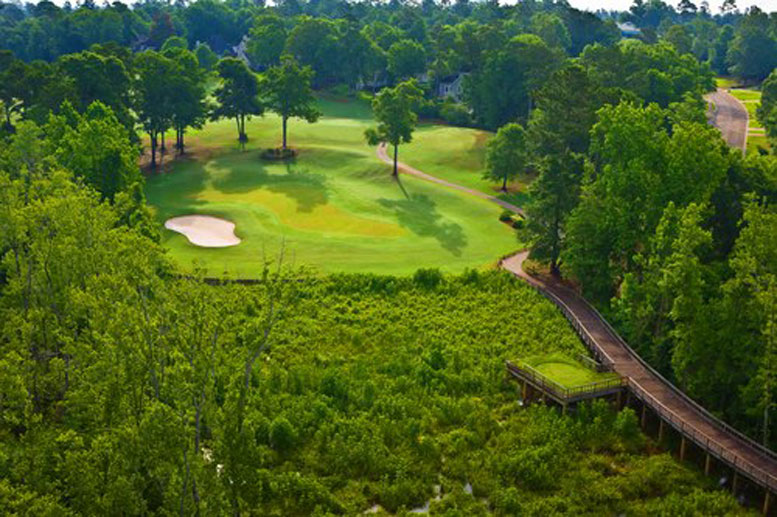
(458, 155)
(336, 207)
(745, 95)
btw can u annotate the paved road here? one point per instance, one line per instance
(684, 414)
(730, 117)
(384, 157)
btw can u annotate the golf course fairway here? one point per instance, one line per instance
(336, 207)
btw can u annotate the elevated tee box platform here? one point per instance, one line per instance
(565, 380)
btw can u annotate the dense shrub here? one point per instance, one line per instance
(456, 114)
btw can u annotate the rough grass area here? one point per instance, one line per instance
(745, 94)
(336, 207)
(566, 371)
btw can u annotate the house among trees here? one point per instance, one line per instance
(452, 86)
(240, 49)
(629, 30)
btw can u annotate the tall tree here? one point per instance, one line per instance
(238, 94)
(506, 154)
(395, 110)
(266, 40)
(154, 97)
(288, 93)
(12, 80)
(96, 147)
(406, 59)
(189, 107)
(752, 54)
(501, 90)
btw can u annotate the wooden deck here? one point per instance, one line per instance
(693, 422)
(562, 394)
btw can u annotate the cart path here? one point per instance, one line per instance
(730, 117)
(402, 167)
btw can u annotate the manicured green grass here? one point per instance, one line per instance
(336, 207)
(754, 141)
(746, 95)
(726, 82)
(751, 108)
(565, 371)
(458, 155)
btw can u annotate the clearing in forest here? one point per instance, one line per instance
(336, 206)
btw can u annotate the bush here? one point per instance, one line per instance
(282, 434)
(456, 114)
(278, 153)
(517, 223)
(340, 90)
(429, 109)
(429, 278)
(506, 216)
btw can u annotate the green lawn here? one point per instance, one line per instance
(565, 371)
(458, 155)
(746, 95)
(754, 141)
(335, 208)
(726, 82)
(751, 108)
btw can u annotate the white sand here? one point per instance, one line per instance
(205, 230)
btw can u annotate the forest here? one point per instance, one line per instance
(128, 386)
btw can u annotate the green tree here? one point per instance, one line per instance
(767, 110)
(238, 94)
(506, 154)
(99, 78)
(266, 40)
(206, 57)
(680, 38)
(289, 93)
(406, 59)
(394, 109)
(154, 99)
(752, 293)
(12, 82)
(189, 107)
(552, 30)
(501, 90)
(752, 54)
(96, 147)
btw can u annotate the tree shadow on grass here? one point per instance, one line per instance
(418, 213)
(307, 189)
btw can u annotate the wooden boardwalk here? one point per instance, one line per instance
(745, 456)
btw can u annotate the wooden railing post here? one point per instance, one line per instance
(660, 430)
(707, 463)
(682, 448)
(767, 501)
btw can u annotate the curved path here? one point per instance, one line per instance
(384, 157)
(730, 117)
(692, 421)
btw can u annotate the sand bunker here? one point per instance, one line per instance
(204, 230)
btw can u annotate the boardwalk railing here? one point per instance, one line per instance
(702, 440)
(705, 442)
(559, 391)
